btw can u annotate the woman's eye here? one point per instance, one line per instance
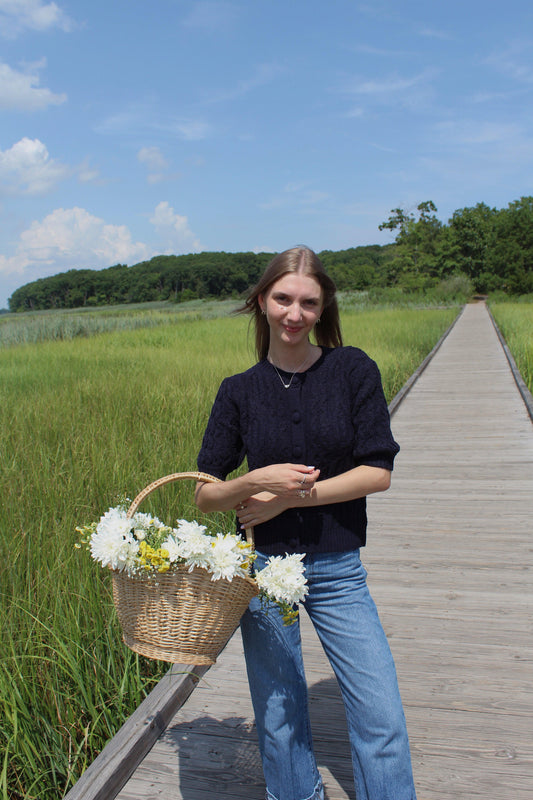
(283, 300)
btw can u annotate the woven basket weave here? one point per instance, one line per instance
(180, 616)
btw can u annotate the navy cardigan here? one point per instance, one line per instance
(334, 417)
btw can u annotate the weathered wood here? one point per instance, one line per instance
(106, 776)
(450, 566)
(450, 559)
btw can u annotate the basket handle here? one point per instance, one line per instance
(179, 476)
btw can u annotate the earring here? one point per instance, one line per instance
(263, 312)
(318, 320)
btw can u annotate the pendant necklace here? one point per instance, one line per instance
(287, 385)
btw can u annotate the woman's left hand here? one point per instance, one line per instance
(260, 508)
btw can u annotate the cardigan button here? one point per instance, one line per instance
(297, 451)
(296, 417)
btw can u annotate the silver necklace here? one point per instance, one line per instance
(287, 385)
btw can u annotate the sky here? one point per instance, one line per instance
(132, 128)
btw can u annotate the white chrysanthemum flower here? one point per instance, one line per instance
(172, 546)
(192, 547)
(114, 521)
(186, 528)
(141, 520)
(283, 578)
(223, 558)
(119, 542)
(113, 549)
(128, 557)
(112, 543)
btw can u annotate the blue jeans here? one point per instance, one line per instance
(346, 620)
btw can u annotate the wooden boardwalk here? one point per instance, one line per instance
(450, 558)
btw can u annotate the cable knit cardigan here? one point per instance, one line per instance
(333, 416)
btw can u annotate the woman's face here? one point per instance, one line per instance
(292, 305)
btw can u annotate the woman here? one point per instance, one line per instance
(313, 423)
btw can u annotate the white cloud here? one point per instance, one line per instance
(379, 51)
(435, 33)
(355, 113)
(514, 60)
(20, 90)
(479, 152)
(173, 230)
(412, 91)
(152, 157)
(389, 85)
(189, 129)
(87, 174)
(466, 133)
(262, 75)
(26, 168)
(71, 239)
(141, 120)
(211, 17)
(297, 195)
(381, 11)
(156, 163)
(20, 15)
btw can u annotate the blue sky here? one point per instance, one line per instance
(130, 128)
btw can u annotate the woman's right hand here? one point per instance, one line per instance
(290, 481)
(286, 480)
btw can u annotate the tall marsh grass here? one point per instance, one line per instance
(82, 422)
(58, 325)
(515, 321)
(43, 326)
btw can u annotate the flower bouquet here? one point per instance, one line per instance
(180, 591)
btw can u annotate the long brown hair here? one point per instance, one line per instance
(300, 260)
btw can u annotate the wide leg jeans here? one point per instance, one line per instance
(346, 620)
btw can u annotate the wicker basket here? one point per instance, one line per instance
(180, 616)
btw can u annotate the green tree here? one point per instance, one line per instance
(417, 242)
(511, 256)
(471, 237)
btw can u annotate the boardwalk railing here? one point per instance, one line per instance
(108, 773)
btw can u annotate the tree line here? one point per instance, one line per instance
(491, 249)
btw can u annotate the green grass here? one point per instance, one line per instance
(83, 421)
(42, 326)
(515, 321)
(56, 325)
